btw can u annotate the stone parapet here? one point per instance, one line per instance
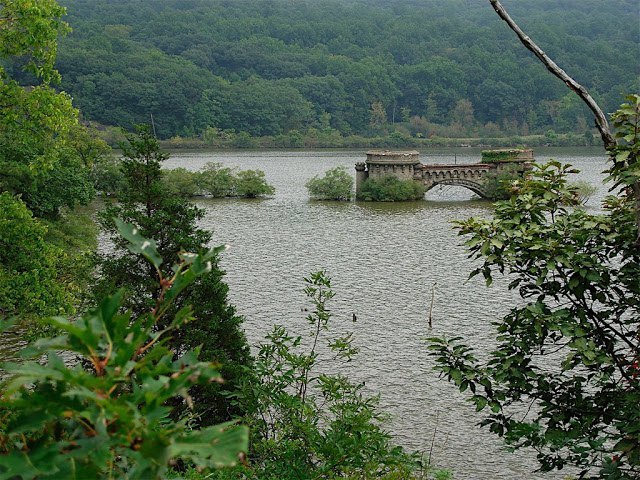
(393, 158)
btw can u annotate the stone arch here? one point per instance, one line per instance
(473, 186)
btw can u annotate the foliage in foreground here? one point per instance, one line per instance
(309, 424)
(336, 184)
(390, 189)
(569, 356)
(106, 416)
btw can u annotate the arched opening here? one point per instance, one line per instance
(454, 189)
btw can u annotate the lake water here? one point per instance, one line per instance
(384, 260)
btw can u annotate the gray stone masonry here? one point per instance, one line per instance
(407, 166)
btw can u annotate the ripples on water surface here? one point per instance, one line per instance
(383, 259)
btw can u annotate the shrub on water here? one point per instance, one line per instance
(216, 180)
(181, 182)
(251, 184)
(219, 181)
(584, 190)
(337, 184)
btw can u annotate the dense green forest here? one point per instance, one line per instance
(270, 67)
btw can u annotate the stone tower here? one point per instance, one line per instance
(401, 165)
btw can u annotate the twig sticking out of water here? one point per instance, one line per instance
(433, 296)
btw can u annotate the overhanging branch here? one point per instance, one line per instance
(600, 118)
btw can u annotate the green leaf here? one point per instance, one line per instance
(138, 244)
(480, 402)
(496, 242)
(215, 447)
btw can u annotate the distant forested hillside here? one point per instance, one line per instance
(267, 67)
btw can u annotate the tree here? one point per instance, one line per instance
(29, 284)
(216, 180)
(337, 184)
(149, 204)
(45, 161)
(181, 182)
(251, 184)
(110, 419)
(32, 31)
(377, 116)
(622, 157)
(564, 378)
(462, 114)
(39, 158)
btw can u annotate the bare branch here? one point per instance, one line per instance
(601, 120)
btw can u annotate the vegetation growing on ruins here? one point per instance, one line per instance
(496, 156)
(390, 189)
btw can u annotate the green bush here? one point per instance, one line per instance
(498, 184)
(251, 184)
(390, 189)
(337, 184)
(216, 180)
(107, 175)
(181, 182)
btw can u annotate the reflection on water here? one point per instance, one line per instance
(384, 259)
